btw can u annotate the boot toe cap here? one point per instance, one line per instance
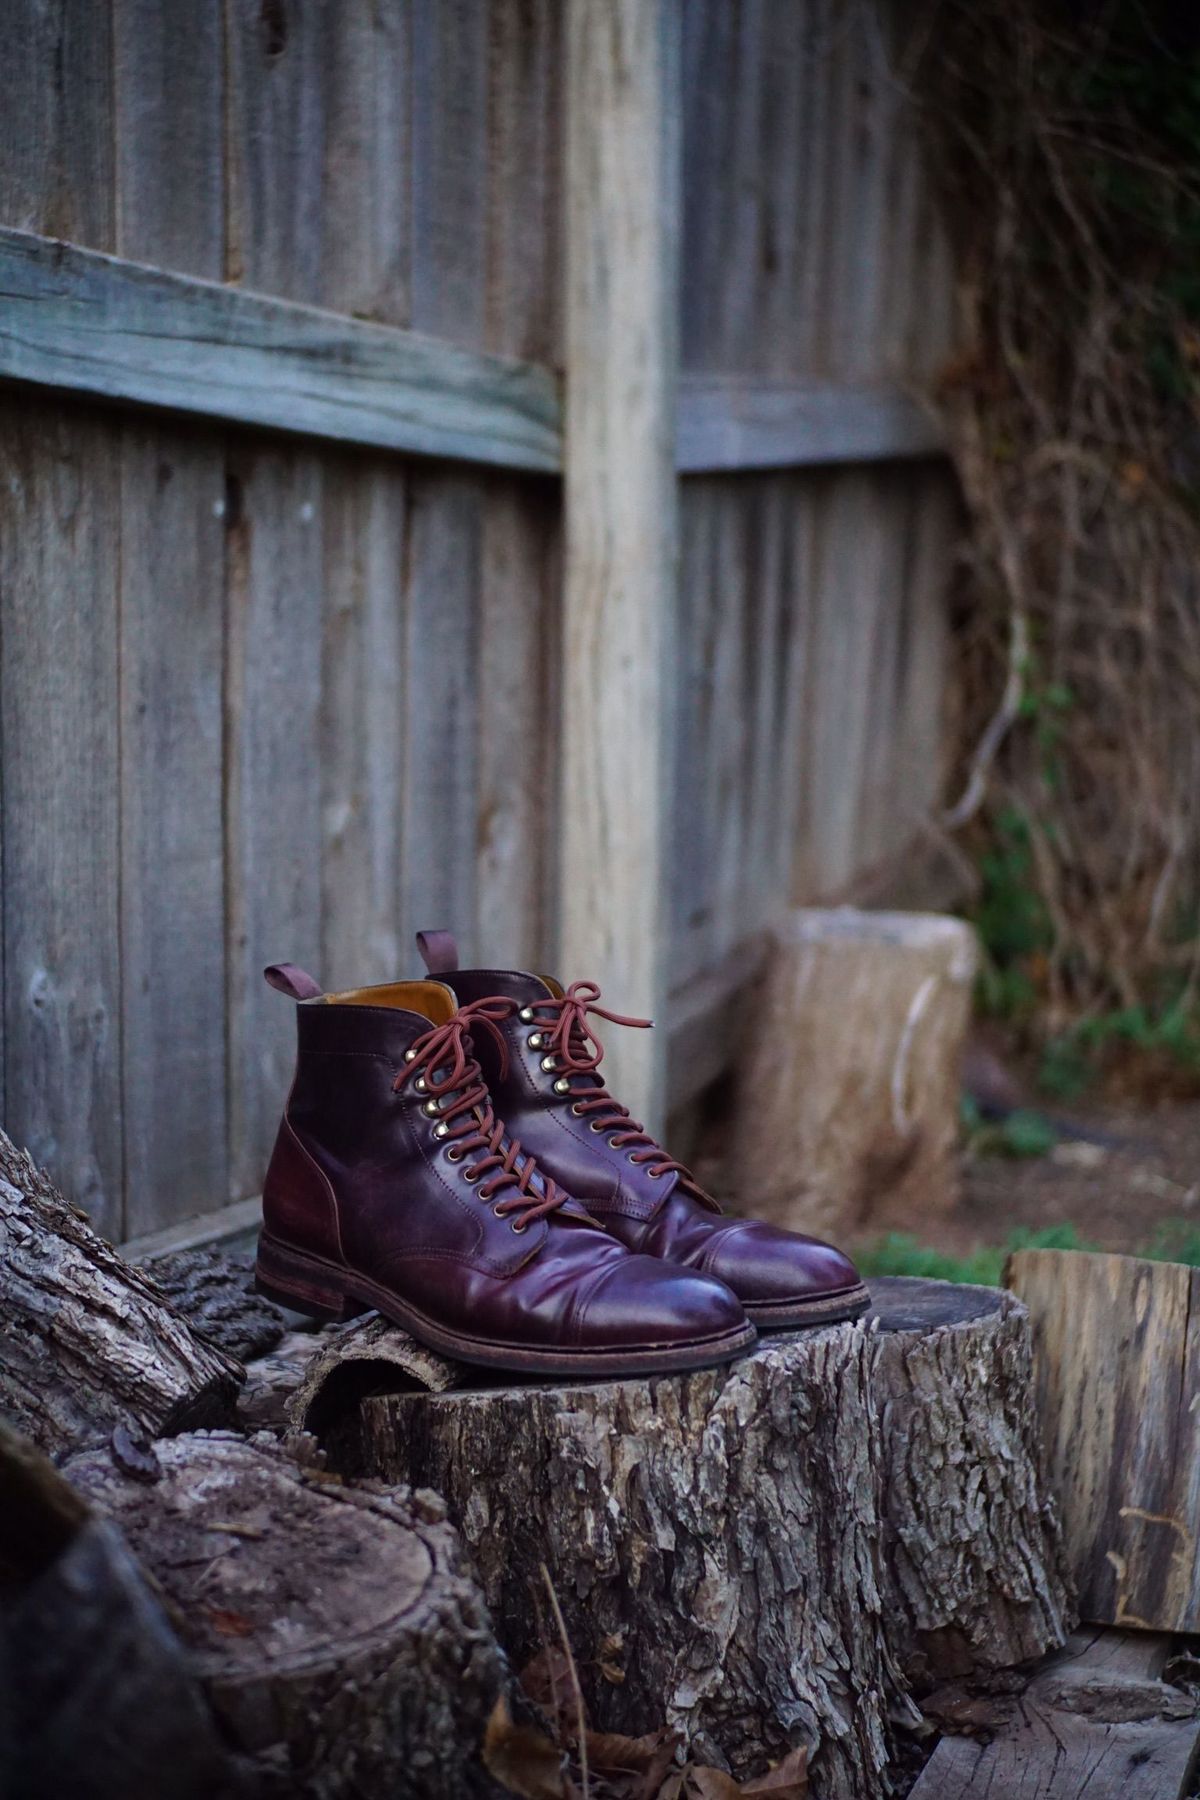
(643, 1302)
(764, 1264)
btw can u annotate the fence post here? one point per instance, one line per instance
(621, 232)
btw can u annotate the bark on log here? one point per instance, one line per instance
(974, 1573)
(1117, 1346)
(849, 1092)
(369, 1356)
(97, 1699)
(88, 1343)
(342, 1646)
(717, 1540)
(213, 1288)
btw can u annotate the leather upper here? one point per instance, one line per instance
(360, 1176)
(660, 1215)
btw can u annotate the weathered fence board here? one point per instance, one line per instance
(172, 868)
(272, 792)
(59, 754)
(337, 709)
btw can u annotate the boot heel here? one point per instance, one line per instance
(295, 1281)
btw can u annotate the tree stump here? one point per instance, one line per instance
(1117, 1344)
(850, 1083)
(974, 1573)
(97, 1698)
(341, 1645)
(720, 1542)
(88, 1343)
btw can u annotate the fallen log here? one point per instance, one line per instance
(342, 1647)
(1117, 1351)
(97, 1698)
(849, 1086)
(88, 1343)
(720, 1542)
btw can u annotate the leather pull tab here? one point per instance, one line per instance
(291, 981)
(439, 951)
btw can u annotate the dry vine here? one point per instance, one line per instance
(1062, 134)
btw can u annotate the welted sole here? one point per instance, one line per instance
(324, 1290)
(824, 1309)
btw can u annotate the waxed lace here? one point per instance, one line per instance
(568, 1036)
(441, 1066)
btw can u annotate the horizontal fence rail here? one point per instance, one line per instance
(88, 323)
(99, 325)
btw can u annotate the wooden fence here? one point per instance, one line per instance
(305, 309)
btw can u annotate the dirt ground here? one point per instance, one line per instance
(1135, 1174)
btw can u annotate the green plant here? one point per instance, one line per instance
(899, 1253)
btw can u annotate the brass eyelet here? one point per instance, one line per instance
(526, 1015)
(420, 1084)
(577, 1109)
(440, 1131)
(547, 1062)
(614, 1143)
(562, 1085)
(454, 1154)
(518, 1230)
(471, 1175)
(655, 1174)
(432, 1108)
(596, 1125)
(410, 1056)
(534, 1040)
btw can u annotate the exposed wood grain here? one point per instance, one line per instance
(273, 793)
(56, 120)
(1094, 1721)
(98, 325)
(851, 1077)
(1118, 1365)
(523, 162)
(168, 91)
(449, 159)
(59, 743)
(516, 783)
(622, 110)
(171, 588)
(363, 723)
(441, 677)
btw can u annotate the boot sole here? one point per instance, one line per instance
(823, 1309)
(327, 1291)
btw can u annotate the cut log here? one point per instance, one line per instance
(849, 1090)
(213, 1287)
(1095, 1723)
(342, 1646)
(88, 1343)
(97, 1698)
(720, 1542)
(974, 1573)
(1117, 1354)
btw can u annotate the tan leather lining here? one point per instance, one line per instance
(432, 999)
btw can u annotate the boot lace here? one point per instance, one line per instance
(441, 1067)
(572, 1047)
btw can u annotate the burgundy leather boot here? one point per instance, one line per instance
(547, 1086)
(393, 1185)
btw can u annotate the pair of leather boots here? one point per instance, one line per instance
(450, 1155)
